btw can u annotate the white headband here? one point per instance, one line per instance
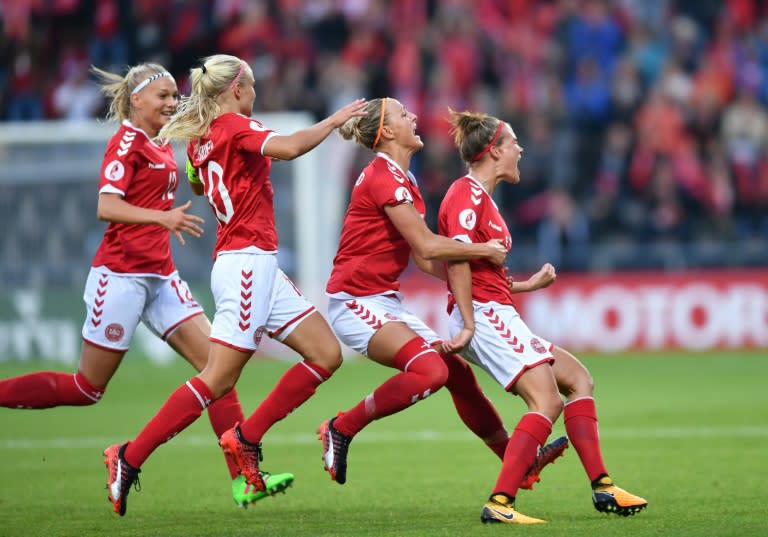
(144, 83)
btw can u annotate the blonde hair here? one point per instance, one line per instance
(473, 132)
(365, 128)
(195, 113)
(118, 88)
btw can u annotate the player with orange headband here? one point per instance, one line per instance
(383, 228)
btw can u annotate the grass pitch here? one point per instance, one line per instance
(689, 432)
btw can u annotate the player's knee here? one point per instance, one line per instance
(328, 357)
(84, 393)
(432, 369)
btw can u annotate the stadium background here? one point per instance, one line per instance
(645, 174)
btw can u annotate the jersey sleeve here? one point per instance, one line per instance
(389, 187)
(118, 166)
(251, 135)
(459, 215)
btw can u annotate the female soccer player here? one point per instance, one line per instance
(383, 227)
(232, 154)
(133, 278)
(486, 325)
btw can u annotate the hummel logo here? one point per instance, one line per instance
(494, 226)
(160, 166)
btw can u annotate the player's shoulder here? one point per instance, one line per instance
(239, 122)
(384, 170)
(460, 187)
(127, 140)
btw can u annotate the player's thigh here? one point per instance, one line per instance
(573, 378)
(387, 342)
(314, 340)
(98, 365)
(191, 341)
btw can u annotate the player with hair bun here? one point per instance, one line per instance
(488, 331)
(383, 228)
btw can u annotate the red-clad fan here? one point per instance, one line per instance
(488, 331)
(133, 277)
(384, 227)
(230, 157)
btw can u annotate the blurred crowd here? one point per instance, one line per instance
(643, 121)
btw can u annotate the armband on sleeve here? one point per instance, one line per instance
(192, 176)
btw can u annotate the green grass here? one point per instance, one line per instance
(687, 431)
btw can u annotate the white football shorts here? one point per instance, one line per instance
(116, 303)
(355, 321)
(503, 344)
(253, 296)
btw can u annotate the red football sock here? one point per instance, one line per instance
(423, 373)
(531, 432)
(181, 409)
(473, 407)
(48, 389)
(224, 413)
(296, 386)
(581, 427)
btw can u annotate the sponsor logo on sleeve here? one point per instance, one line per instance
(256, 126)
(468, 219)
(403, 193)
(114, 171)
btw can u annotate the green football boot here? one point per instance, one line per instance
(244, 493)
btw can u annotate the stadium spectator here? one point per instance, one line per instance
(230, 156)
(133, 277)
(383, 227)
(582, 64)
(486, 325)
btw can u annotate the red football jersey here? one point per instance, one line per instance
(144, 173)
(469, 214)
(235, 177)
(372, 254)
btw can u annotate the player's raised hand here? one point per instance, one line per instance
(353, 109)
(543, 278)
(177, 221)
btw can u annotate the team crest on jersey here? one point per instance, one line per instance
(403, 193)
(538, 346)
(257, 335)
(114, 332)
(114, 171)
(468, 219)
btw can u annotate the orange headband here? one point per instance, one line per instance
(491, 143)
(381, 124)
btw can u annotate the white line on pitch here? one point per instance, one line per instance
(400, 436)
